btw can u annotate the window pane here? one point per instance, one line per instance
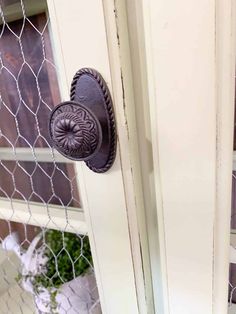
(50, 183)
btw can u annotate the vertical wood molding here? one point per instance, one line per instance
(183, 121)
(103, 195)
(138, 14)
(121, 74)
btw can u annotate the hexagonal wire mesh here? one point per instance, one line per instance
(42, 270)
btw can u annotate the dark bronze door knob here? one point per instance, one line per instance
(84, 127)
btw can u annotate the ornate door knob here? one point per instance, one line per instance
(84, 127)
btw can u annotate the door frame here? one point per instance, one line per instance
(202, 36)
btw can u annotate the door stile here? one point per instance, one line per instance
(103, 195)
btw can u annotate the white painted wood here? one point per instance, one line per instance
(181, 47)
(43, 215)
(80, 38)
(144, 89)
(225, 71)
(13, 12)
(122, 80)
(36, 154)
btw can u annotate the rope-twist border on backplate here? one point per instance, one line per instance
(109, 110)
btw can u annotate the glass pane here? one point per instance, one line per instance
(39, 182)
(29, 91)
(47, 271)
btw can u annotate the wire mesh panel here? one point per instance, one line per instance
(46, 263)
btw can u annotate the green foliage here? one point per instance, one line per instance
(69, 256)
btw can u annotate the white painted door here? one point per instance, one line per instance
(42, 46)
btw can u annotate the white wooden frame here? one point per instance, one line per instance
(110, 214)
(130, 27)
(190, 60)
(28, 154)
(43, 215)
(121, 56)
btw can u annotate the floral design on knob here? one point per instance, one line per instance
(68, 134)
(75, 131)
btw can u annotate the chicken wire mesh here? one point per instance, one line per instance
(46, 271)
(42, 270)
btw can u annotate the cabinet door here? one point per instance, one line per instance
(51, 206)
